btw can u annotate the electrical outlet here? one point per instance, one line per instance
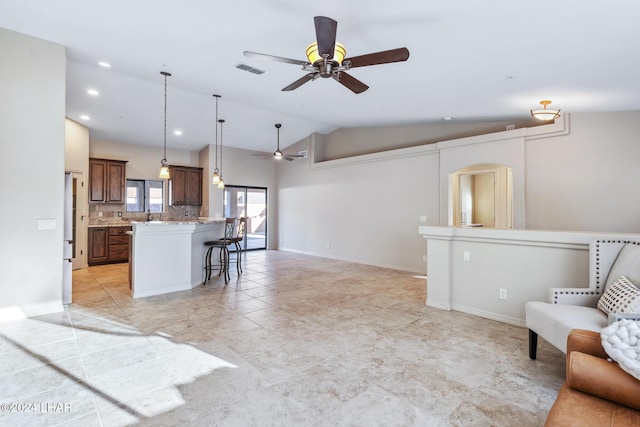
(466, 255)
(328, 245)
(186, 213)
(503, 293)
(99, 214)
(424, 258)
(119, 213)
(423, 218)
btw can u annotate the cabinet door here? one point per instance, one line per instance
(98, 245)
(194, 187)
(97, 181)
(178, 186)
(116, 181)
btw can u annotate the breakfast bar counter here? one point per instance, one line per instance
(168, 256)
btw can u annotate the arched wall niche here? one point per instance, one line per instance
(481, 195)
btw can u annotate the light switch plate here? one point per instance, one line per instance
(46, 224)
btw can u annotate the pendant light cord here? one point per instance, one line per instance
(217, 98)
(221, 121)
(164, 154)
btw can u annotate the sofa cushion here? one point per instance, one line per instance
(555, 321)
(627, 264)
(574, 408)
(621, 297)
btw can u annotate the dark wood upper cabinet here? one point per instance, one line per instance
(185, 186)
(107, 181)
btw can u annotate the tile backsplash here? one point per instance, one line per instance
(108, 214)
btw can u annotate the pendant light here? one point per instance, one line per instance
(216, 172)
(278, 154)
(164, 169)
(221, 183)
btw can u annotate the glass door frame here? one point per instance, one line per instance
(247, 189)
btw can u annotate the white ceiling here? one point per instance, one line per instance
(470, 60)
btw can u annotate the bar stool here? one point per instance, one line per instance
(223, 254)
(237, 242)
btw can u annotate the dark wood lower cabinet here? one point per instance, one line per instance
(108, 245)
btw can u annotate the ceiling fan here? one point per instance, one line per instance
(326, 58)
(279, 154)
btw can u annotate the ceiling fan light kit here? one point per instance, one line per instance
(313, 54)
(326, 58)
(545, 114)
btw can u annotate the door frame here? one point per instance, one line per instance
(245, 188)
(81, 221)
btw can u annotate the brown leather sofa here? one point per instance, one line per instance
(597, 392)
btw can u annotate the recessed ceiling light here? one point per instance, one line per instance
(177, 132)
(447, 118)
(93, 92)
(104, 64)
(85, 117)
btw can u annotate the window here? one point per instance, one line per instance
(144, 195)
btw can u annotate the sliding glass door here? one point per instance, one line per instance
(252, 203)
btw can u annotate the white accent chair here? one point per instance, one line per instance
(576, 308)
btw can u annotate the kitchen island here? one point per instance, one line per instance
(168, 256)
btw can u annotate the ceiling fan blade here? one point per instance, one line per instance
(384, 57)
(289, 158)
(274, 58)
(326, 29)
(302, 80)
(350, 82)
(263, 155)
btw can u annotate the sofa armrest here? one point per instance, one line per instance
(574, 296)
(601, 378)
(588, 342)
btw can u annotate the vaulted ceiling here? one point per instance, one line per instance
(469, 61)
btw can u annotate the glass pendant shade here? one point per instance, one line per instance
(164, 172)
(313, 55)
(216, 178)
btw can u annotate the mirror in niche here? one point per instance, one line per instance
(481, 196)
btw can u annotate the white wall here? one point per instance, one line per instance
(76, 147)
(580, 174)
(32, 120)
(365, 210)
(588, 179)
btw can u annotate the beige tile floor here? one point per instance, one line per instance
(295, 341)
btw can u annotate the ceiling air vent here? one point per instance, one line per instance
(246, 67)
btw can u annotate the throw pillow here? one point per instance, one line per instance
(621, 297)
(621, 342)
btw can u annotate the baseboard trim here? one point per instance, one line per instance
(489, 315)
